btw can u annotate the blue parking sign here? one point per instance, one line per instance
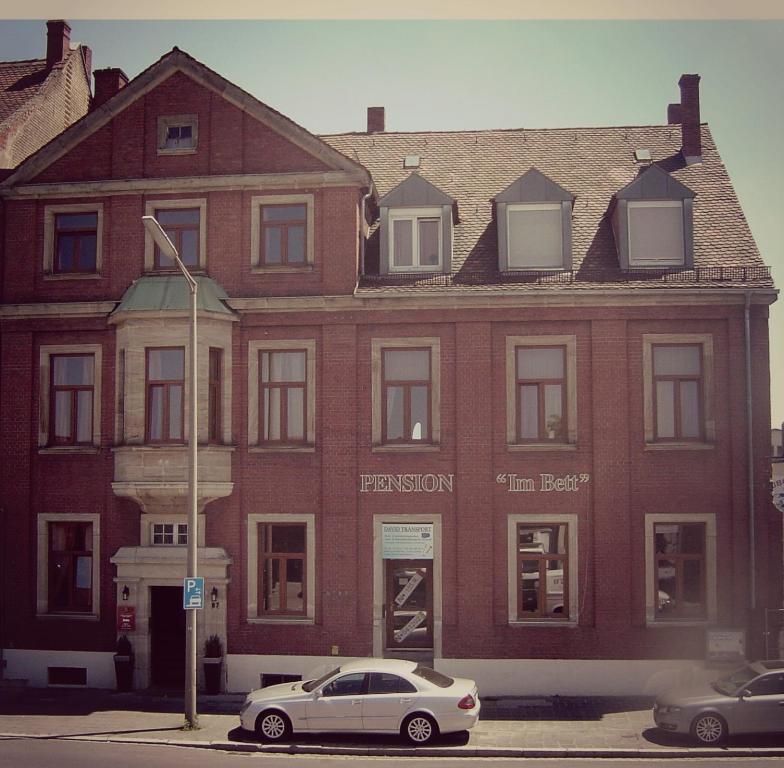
(193, 592)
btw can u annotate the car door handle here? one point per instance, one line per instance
(781, 703)
(354, 702)
(406, 701)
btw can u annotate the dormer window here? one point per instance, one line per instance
(535, 235)
(177, 134)
(652, 222)
(534, 216)
(655, 233)
(416, 228)
(415, 240)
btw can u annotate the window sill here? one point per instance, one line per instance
(183, 151)
(203, 447)
(680, 446)
(282, 269)
(670, 623)
(51, 450)
(73, 276)
(281, 449)
(407, 448)
(281, 620)
(522, 447)
(68, 616)
(435, 270)
(569, 624)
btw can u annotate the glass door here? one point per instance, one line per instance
(409, 604)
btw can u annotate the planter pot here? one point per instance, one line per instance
(213, 669)
(123, 669)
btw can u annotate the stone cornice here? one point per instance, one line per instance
(255, 182)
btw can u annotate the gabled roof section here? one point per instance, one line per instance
(534, 187)
(179, 61)
(415, 191)
(654, 183)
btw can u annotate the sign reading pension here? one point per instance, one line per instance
(409, 483)
(407, 541)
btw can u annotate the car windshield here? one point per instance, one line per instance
(442, 681)
(311, 685)
(737, 679)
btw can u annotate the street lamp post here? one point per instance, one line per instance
(166, 246)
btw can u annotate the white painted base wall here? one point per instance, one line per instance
(506, 677)
(494, 677)
(32, 666)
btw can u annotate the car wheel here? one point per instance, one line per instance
(709, 728)
(272, 725)
(419, 729)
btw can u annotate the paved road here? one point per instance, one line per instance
(45, 753)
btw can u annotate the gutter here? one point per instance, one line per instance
(750, 454)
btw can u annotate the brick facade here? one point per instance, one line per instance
(624, 479)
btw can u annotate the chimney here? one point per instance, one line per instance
(58, 41)
(375, 120)
(107, 83)
(87, 57)
(690, 118)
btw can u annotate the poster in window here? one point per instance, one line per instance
(84, 572)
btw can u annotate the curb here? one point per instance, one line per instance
(469, 752)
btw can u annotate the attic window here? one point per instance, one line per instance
(411, 161)
(642, 155)
(656, 233)
(177, 134)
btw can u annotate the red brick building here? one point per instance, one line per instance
(474, 397)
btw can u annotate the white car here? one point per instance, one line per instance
(367, 695)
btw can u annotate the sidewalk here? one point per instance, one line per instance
(508, 727)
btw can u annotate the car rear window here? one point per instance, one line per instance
(442, 681)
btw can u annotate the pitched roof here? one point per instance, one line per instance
(177, 60)
(594, 164)
(19, 82)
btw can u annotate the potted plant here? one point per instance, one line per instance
(213, 664)
(123, 663)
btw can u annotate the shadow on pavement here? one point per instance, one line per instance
(572, 708)
(748, 741)
(240, 736)
(80, 734)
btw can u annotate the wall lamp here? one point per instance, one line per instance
(214, 597)
(126, 592)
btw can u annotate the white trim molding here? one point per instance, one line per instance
(309, 521)
(50, 213)
(256, 204)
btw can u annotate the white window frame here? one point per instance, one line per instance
(709, 520)
(50, 214)
(512, 576)
(254, 348)
(42, 591)
(150, 206)
(664, 263)
(175, 533)
(709, 421)
(309, 521)
(510, 208)
(167, 121)
(413, 215)
(256, 204)
(570, 362)
(377, 346)
(45, 354)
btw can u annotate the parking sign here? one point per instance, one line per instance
(192, 592)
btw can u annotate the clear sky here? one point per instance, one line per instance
(444, 75)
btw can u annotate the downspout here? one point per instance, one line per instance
(750, 453)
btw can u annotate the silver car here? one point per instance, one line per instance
(367, 695)
(748, 700)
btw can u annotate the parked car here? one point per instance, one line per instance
(748, 700)
(366, 695)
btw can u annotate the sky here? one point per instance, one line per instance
(481, 73)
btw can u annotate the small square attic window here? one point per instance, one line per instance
(643, 156)
(177, 134)
(411, 161)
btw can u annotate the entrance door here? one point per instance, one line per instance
(409, 604)
(167, 637)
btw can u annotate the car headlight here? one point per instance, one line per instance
(669, 710)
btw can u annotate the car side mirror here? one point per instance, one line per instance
(744, 693)
(316, 694)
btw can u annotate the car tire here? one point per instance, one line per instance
(709, 729)
(419, 729)
(273, 725)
